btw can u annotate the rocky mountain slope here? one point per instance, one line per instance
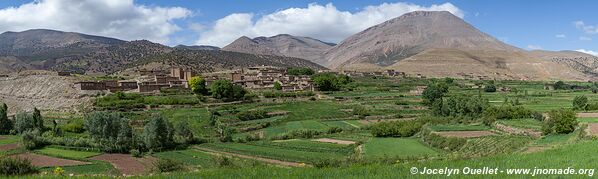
(582, 62)
(80, 53)
(437, 43)
(281, 45)
(196, 47)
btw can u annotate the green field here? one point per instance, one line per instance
(285, 153)
(62, 153)
(523, 123)
(189, 156)
(396, 147)
(440, 128)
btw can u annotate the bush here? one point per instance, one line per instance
(252, 115)
(222, 161)
(32, 140)
(460, 106)
(301, 133)
(561, 121)
(580, 102)
(27, 121)
(361, 111)
(135, 153)
(490, 88)
(168, 165)
(16, 166)
(74, 126)
(396, 128)
(333, 130)
(508, 112)
(538, 116)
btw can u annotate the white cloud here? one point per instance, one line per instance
(324, 22)
(584, 38)
(595, 53)
(115, 18)
(561, 36)
(588, 29)
(534, 47)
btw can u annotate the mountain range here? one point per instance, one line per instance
(429, 43)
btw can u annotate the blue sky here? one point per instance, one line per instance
(529, 24)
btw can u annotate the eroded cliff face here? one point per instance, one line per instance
(44, 90)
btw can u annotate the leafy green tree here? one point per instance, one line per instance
(560, 85)
(580, 102)
(434, 92)
(25, 122)
(300, 71)
(157, 134)
(124, 139)
(561, 121)
(277, 86)
(184, 132)
(330, 81)
(198, 85)
(6, 124)
(224, 89)
(103, 125)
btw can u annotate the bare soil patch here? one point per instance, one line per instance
(587, 114)
(47, 161)
(8, 147)
(127, 164)
(267, 160)
(593, 129)
(518, 131)
(336, 141)
(465, 134)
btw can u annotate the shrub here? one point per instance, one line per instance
(580, 102)
(461, 106)
(561, 121)
(538, 116)
(301, 133)
(32, 139)
(16, 166)
(508, 112)
(252, 115)
(334, 129)
(222, 161)
(277, 86)
(26, 121)
(135, 153)
(361, 111)
(396, 128)
(224, 89)
(74, 126)
(490, 88)
(168, 165)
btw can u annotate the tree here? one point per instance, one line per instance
(434, 92)
(224, 89)
(6, 124)
(300, 71)
(157, 133)
(184, 132)
(198, 85)
(561, 121)
(560, 85)
(580, 102)
(25, 122)
(37, 118)
(277, 86)
(330, 81)
(103, 125)
(124, 139)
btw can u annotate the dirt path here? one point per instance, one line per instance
(336, 141)
(587, 114)
(267, 160)
(47, 161)
(127, 164)
(465, 134)
(8, 147)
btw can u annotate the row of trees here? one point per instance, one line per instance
(22, 122)
(220, 89)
